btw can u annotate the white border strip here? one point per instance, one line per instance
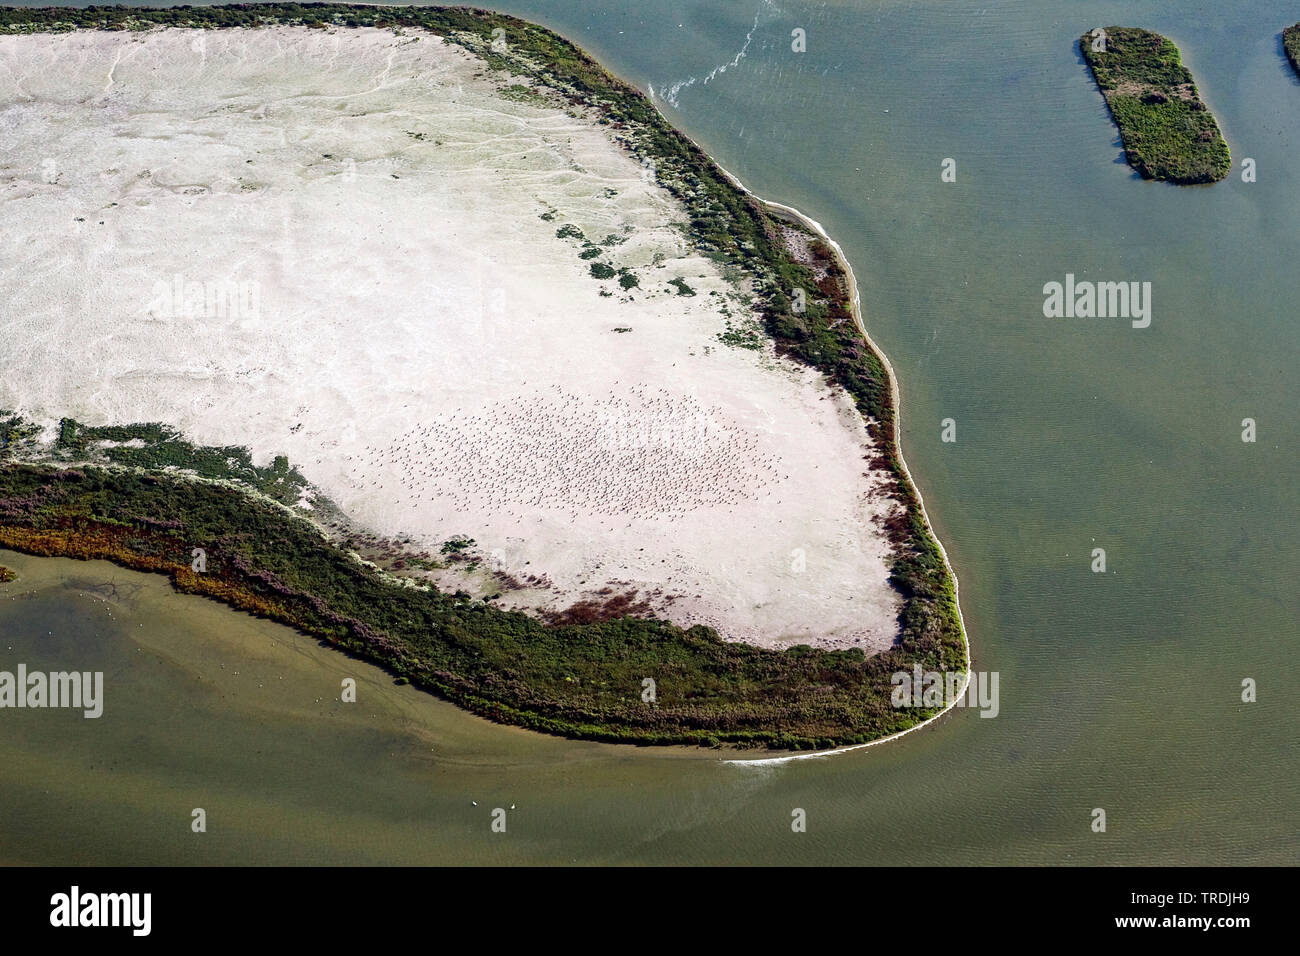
(896, 398)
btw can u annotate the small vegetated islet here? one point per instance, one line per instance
(1168, 132)
(1291, 43)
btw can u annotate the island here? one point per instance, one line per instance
(415, 329)
(1291, 43)
(1168, 132)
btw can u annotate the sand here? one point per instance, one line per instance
(332, 246)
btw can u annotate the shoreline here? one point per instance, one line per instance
(746, 229)
(896, 400)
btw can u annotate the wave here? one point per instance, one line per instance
(671, 94)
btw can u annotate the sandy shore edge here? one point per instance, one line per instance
(789, 212)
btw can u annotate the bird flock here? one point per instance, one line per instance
(636, 451)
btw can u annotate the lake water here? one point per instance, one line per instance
(1119, 690)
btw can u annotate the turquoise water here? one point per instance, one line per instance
(1118, 690)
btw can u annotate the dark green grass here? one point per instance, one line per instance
(160, 447)
(1168, 132)
(1291, 43)
(576, 680)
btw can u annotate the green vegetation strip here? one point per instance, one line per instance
(1291, 42)
(155, 446)
(1168, 133)
(576, 680)
(580, 680)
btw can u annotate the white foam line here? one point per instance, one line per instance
(671, 93)
(896, 398)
